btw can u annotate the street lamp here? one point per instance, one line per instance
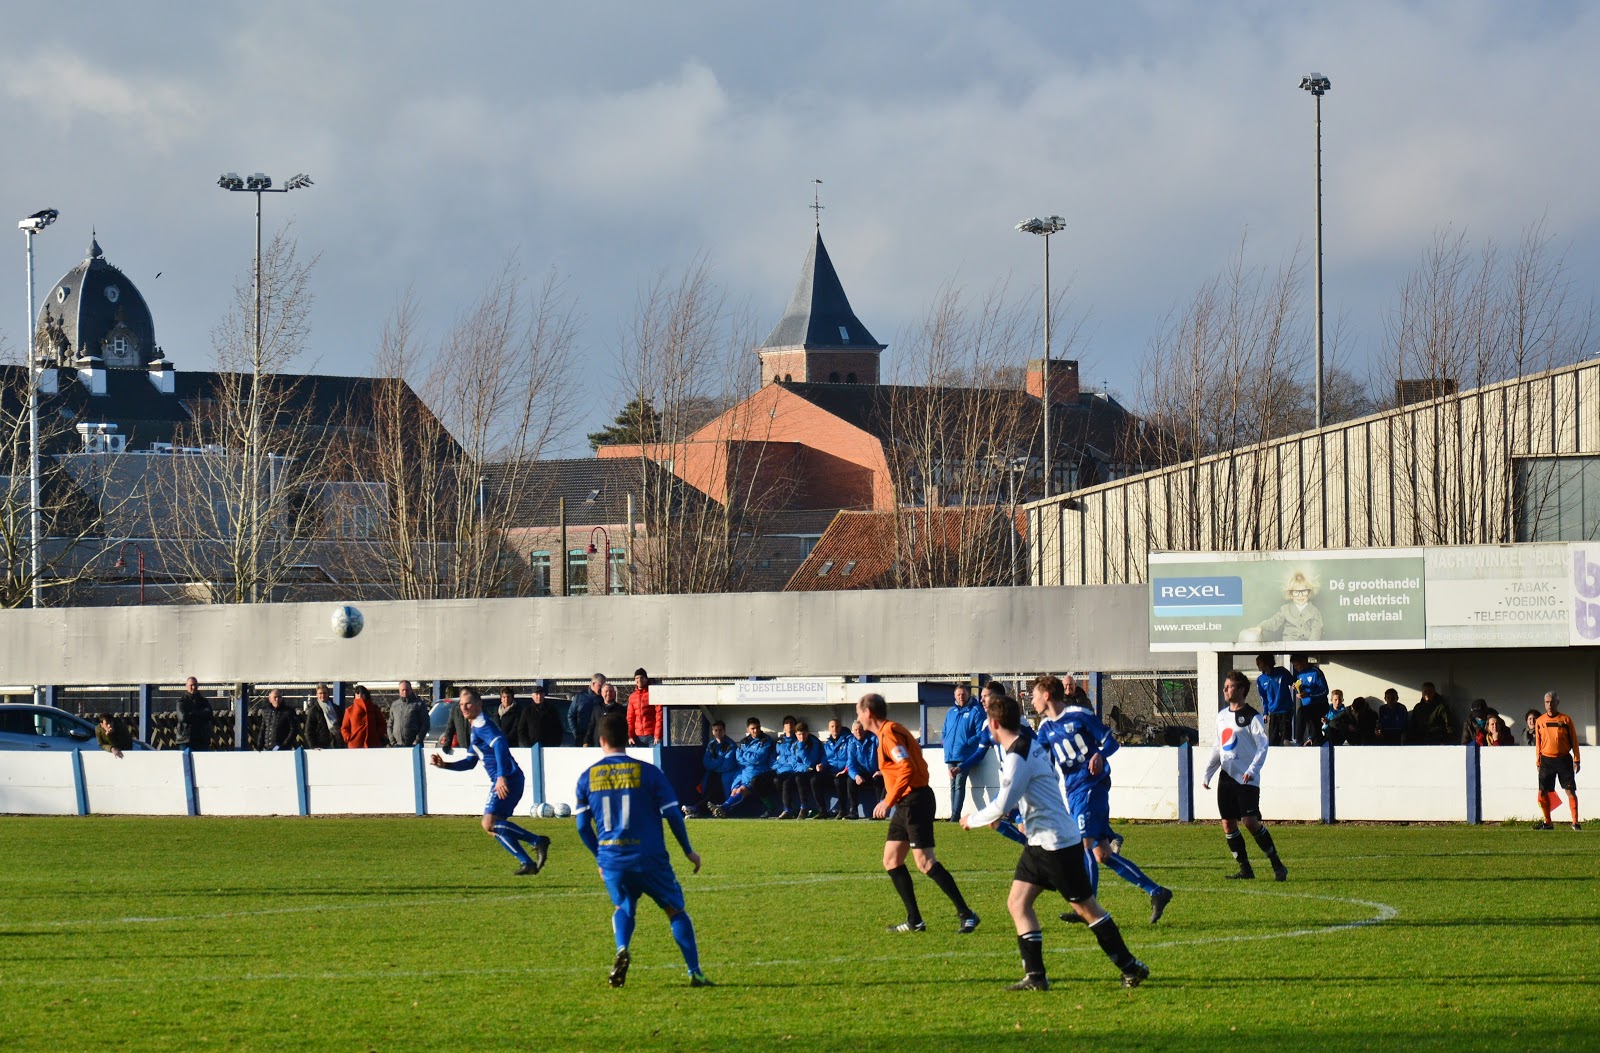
(258, 183)
(29, 227)
(1318, 86)
(1044, 228)
(122, 564)
(603, 532)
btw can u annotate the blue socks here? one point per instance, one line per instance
(683, 933)
(622, 922)
(1129, 871)
(509, 834)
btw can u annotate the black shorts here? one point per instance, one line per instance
(1061, 869)
(1237, 801)
(1553, 768)
(912, 818)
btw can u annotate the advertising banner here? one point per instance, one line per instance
(1501, 596)
(1583, 593)
(1370, 600)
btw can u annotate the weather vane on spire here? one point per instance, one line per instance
(816, 201)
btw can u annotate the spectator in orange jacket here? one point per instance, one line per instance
(644, 720)
(362, 726)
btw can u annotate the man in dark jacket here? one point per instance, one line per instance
(580, 710)
(516, 722)
(194, 717)
(543, 717)
(721, 762)
(278, 729)
(609, 703)
(1430, 720)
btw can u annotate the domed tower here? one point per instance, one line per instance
(820, 340)
(95, 318)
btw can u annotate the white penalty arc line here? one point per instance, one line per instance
(1383, 913)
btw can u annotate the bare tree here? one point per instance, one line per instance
(688, 354)
(498, 385)
(1467, 319)
(1227, 371)
(961, 435)
(243, 461)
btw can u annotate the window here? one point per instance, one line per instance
(619, 571)
(844, 335)
(827, 568)
(1557, 498)
(849, 569)
(849, 378)
(539, 570)
(578, 571)
(833, 378)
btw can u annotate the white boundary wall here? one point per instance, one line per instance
(1396, 784)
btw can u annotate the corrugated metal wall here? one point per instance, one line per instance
(1436, 473)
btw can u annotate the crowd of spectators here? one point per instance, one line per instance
(795, 776)
(1301, 710)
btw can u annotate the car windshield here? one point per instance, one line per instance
(62, 725)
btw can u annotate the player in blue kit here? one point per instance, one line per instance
(621, 803)
(1079, 744)
(506, 785)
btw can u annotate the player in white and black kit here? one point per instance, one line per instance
(1240, 751)
(1053, 857)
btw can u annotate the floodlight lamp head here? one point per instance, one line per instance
(258, 181)
(1316, 84)
(38, 221)
(230, 181)
(297, 181)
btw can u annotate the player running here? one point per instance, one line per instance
(621, 802)
(507, 784)
(1079, 744)
(1052, 857)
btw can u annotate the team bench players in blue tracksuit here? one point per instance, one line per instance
(621, 803)
(506, 785)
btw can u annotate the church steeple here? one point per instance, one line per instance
(820, 339)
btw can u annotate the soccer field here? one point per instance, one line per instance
(412, 934)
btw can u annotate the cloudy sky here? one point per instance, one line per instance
(615, 142)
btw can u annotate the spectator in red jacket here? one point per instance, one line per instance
(362, 725)
(644, 720)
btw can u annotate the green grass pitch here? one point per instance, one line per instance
(412, 934)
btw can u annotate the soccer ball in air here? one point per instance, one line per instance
(563, 811)
(347, 622)
(546, 810)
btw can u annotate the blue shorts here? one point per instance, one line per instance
(1092, 808)
(660, 884)
(507, 808)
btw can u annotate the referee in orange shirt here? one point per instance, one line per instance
(910, 806)
(1557, 740)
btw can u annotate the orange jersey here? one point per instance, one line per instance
(1557, 736)
(900, 760)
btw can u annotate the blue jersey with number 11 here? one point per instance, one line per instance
(626, 800)
(1073, 737)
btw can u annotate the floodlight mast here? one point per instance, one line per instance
(1318, 86)
(29, 227)
(1044, 228)
(258, 183)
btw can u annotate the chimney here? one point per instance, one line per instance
(1063, 380)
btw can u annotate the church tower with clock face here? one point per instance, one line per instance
(95, 318)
